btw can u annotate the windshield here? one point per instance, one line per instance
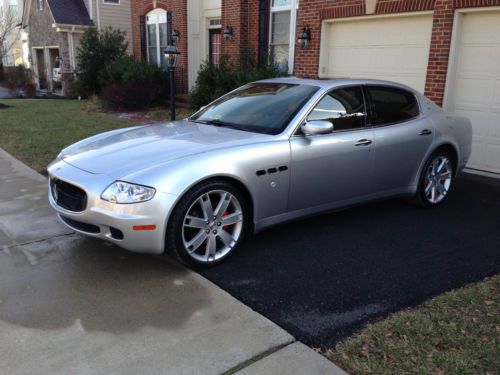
(257, 107)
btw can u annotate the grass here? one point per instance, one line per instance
(454, 333)
(36, 130)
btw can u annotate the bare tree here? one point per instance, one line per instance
(9, 31)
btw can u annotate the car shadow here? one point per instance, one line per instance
(325, 277)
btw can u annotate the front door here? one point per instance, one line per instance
(336, 167)
(214, 43)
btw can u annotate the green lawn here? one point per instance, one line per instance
(454, 333)
(35, 130)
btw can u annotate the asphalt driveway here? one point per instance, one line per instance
(323, 278)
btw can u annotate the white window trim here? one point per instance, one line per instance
(157, 24)
(109, 2)
(292, 8)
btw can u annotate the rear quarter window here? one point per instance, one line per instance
(392, 105)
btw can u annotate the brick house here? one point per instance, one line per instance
(54, 28)
(448, 49)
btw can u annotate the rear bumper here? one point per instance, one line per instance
(113, 222)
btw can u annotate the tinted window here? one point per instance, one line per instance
(258, 107)
(392, 105)
(344, 108)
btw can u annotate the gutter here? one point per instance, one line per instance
(61, 27)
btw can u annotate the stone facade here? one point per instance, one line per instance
(42, 36)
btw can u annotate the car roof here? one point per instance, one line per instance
(331, 83)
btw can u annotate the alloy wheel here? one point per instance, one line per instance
(212, 226)
(437, 179)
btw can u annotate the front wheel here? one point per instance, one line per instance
(436, 180)
(207, 224)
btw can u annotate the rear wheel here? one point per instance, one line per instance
(207, 224)
(436, 180)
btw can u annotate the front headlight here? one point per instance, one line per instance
(123, 192)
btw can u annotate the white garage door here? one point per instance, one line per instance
(392, 48)
(474, 85)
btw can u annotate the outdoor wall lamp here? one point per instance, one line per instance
(304, 37)
(228, 33)
(176, 35)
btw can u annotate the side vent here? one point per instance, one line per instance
(262, 172)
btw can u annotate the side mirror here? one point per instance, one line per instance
(317, 127)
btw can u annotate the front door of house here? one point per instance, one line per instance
(214, 42)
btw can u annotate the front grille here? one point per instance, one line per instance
(68, 196)
(78, 225)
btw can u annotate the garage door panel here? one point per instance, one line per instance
(477, 60)
(494, 128)
(480, 28)
(473, 92)
(475, 85)
(394, 48)
(496, 93)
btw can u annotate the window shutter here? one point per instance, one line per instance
(144, 47)
(263, 31)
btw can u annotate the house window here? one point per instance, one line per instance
(41, 3)
(282, 32)
(156, 23)
(111, 2)
(215, 22)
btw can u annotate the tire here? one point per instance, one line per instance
(200, 241)
(436, 180)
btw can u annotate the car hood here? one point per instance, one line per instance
(119, 153)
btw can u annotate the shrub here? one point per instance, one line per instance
(98, 49)
(131, 84)
(19, 81)
(214, 81)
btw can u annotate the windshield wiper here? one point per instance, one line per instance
(220, 123)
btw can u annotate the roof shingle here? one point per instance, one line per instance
(70, 12)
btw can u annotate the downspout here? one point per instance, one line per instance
(91, 9)
(98, 15)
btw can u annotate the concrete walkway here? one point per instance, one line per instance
(70, 304)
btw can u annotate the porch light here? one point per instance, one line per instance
(176, 35)
(304, 37)
(228, 32)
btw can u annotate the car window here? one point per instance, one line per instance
(344, 108)
(392, 105)
(265, 107)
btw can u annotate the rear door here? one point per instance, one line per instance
(402, 136)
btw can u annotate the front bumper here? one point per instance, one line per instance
(102, 219)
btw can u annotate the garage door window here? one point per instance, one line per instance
(344, 108)
(391, 105)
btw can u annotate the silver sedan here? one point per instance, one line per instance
(266, 153)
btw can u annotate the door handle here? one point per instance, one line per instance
(363, 142)
(426, 132)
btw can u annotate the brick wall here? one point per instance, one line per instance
(312, 12)
(179, 21)
(243, 16)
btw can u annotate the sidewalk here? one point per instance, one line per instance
(69, 304)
